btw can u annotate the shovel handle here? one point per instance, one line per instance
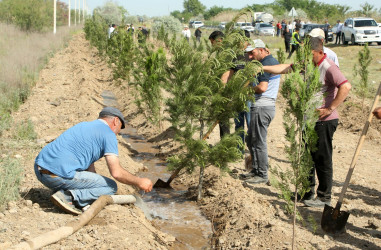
(359, 145)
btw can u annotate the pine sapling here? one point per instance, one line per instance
(361, 69)
(300, 90)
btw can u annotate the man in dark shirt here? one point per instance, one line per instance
(197, 34)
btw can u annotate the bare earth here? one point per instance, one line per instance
(243, 217)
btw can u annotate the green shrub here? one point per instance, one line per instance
(25, 131)
(10, 179)
(170, 24)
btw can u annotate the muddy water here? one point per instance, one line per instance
(172, 212)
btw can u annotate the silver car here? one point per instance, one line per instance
(264, 29)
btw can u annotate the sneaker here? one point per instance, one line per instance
(316, 203)
(65, 202)
(247, 176)
(257, 180)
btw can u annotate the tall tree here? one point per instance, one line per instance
(194, 6)
(367, 9)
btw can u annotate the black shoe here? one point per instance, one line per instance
(317, 202)
(247, 176)
(257, 180)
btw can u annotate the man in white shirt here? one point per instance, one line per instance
(186, 32)
(338, 31)
(319, 33)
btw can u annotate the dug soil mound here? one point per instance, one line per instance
(243, 217)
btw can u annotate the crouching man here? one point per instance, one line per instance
(66, 165)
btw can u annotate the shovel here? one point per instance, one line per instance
(166, 184)
(334, 220)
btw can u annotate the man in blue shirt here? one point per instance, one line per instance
(261, 113)
(66, 165)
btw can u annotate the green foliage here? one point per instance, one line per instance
(281, 56)
(170, 23)
(361, 69)
(10, 180)
(32, 15)
(194, 7)
(111, 12)
(24, 131)
(214, 11)
(96, 32)
(301, 91)
(149, 75)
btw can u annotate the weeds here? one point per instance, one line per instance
(10, 172)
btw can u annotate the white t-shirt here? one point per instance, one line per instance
(331, 55)
(186, 33)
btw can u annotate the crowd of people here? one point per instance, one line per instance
(66, 165)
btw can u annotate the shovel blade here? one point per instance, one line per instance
(161, 184)
(334, 220)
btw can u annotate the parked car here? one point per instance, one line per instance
(197, 24)
(222, 25)
(245, 26)
(264, 29)
(306, 29)
(361, 30)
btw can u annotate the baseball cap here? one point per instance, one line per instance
(257, 43)
(111, 111)
(317, 32)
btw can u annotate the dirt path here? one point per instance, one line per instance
(68, 92)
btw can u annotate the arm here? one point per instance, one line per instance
(339, 99)
(377, 112)
(278, 69)
(91, 168)
(226, 76)
(261, 87)
(125, 177)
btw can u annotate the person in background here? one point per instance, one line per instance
(319, 33)
(197, 34)
(186, 33)
(338, 31)
(295, 42)
(66, 165)
(278, 29)
(287, 38)
(326, 28)
(111, 30)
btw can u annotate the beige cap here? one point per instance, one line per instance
(317, 32)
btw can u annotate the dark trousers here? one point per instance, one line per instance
(287, 45)
(322, 159)
(294, 47)
(326, 36)
(338, 37)
(224, 128)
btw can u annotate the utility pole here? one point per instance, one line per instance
(83, 11)
(75, 12)
(79, 11)
(69, 14)
(55, 17)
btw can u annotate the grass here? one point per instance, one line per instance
(22, 56)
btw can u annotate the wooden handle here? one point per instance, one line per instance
(359, 145)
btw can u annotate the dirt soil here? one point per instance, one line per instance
(243, 217)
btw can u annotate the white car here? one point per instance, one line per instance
(245, 26)
(197, 24)
(222, 25)
(264, 29)
(361, 30)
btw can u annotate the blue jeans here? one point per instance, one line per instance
(260, 120)
(240, 122)
(85, 187)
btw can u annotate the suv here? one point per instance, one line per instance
(197, 24)
(307, 28)
(245, 26)
(361, 30)
(264, 29)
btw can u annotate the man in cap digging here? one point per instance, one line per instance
(262, 113)
(66, 165)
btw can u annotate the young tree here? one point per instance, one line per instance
(361, 69)
(300, 91)
(194, 6)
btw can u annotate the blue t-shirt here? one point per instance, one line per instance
(273, 80)
(77, 148)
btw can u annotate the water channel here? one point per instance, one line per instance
(171, 210)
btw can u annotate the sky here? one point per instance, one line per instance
(164, 7)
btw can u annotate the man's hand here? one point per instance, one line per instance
(324, 112)
(145, 184)
(377, 112)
